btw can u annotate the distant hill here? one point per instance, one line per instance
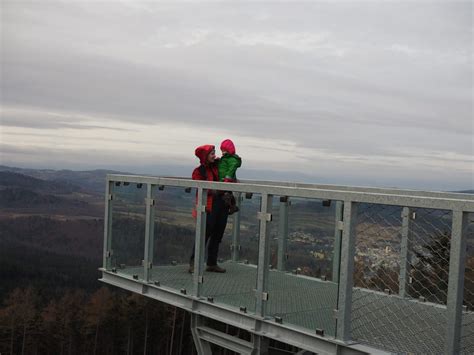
(25, 198)
(13, 179)
(24, 194)
(93, 180)
(465, 192)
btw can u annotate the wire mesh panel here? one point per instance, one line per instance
(249, 228)
(300, 290)
(236, 287)
(400, 277)
(174, 235)
(430, 237)
(128, 228)
(311, 238)
(467, 331)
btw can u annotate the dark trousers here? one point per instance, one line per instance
(216, 221)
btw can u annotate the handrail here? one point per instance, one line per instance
(406, 198)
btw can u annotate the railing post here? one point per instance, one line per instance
(200, 241)
(263, 254)
(283, 233)
(107, 261)
(344, 307)
(336, 259)
(149, 232)
(457, 264)
(403, 277)
(236, 230)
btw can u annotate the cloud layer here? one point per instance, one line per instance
(371, 91)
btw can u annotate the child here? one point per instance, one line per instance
(228, 165)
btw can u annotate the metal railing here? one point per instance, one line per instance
(401, 268)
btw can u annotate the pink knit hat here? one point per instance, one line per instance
(228, 146)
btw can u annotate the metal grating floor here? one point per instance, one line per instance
(380, 320)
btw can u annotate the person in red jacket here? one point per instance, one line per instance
(216, 210)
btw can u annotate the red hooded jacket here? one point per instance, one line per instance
(205, 171)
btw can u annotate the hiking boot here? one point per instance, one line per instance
(215, 268)
(191, 269)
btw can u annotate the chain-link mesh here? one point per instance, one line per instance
(310, 245)
(467, 330)
(300, 291)
(429, 239)
(401, 278)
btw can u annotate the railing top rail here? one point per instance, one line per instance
(389, 191)
(408, 198)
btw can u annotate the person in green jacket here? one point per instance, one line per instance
(227, 167)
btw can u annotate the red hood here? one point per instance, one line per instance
(203, 151)
(228, 146)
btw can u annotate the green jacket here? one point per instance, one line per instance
(228, 165)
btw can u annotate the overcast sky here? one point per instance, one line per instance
(360, 93)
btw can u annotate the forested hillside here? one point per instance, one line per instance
(51, 302)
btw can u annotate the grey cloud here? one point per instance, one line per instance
(109, 61)
(137, 93)
(39, 122)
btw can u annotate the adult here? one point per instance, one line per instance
(216, 210)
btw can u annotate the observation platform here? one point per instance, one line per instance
(328, 269)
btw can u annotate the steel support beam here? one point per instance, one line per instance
(202, 345)
(336, 259)
(343, 330)
(457, 265)
(200, 242)
(225, 341)
(236, 229)
(259, 345)
(283, 234)
(246, 321)
(107, 260)
(403, 277)
(149, 232)
(263, 255)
